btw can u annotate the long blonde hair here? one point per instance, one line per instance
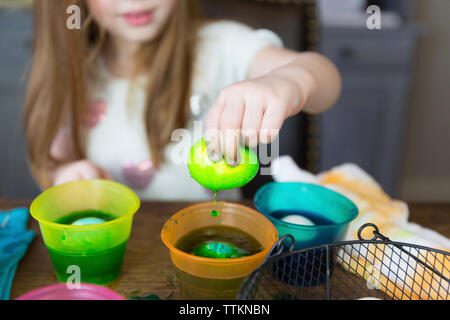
(63, 62)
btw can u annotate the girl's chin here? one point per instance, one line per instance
(137, 35)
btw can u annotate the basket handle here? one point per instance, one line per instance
(376, 233)
(379, 236)
(278, 247)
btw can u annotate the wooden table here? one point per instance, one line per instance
(147, 268)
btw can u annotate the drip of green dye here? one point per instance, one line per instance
(214, 213)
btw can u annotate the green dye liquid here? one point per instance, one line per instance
(220, 242)
(193, 287)
(98, 267)
(71, 218)
(214, 213)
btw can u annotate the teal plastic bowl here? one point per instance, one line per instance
(331, 211)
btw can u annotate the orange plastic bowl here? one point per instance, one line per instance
(207, 278)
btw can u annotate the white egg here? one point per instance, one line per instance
(87, 221)
(297, 219)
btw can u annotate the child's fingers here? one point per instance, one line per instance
(105, 174)
(65, 177)
(80, 170)
(90, 171)
(271, 124)
(230, 146)
(230, 125)
(67, 173)
(212, 135)
(251, 122)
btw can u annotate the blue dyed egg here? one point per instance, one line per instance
(87, 221)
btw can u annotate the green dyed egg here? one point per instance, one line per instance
(219, 175)
(218, 250)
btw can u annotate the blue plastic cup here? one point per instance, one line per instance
(312, 201)
(332, 211)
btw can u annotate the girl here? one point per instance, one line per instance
(103, 101)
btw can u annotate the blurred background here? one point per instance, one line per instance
(393, 118)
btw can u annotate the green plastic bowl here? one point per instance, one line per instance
(95, 251)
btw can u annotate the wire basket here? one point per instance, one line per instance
(377, 268)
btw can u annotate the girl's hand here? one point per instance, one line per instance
(78, 170)
(281, 83)
(254, 111)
